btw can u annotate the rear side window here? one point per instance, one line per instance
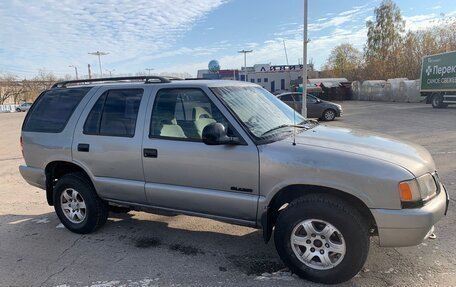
(53, 109)
(114, 113)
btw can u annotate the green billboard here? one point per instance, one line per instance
(438, 72)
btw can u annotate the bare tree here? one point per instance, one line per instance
(10, 89)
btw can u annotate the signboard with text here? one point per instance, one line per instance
(438, 72)
(269, 68)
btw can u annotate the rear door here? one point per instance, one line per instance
(183, 173)
(107, 142)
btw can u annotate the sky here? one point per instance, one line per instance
(182, 36)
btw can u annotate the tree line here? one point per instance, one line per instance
(390, 51)
(14, 90)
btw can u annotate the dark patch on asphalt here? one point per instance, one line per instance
(147, 242)
(256, 266)
(222, 269)
(185, 249)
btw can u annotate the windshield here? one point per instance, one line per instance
(261, 112)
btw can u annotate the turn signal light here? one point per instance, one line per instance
(406, 192)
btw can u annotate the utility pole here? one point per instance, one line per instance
(110, 72)
(148, 70)
(75, 70)
(245, 62)
(90, 71)
(99, 54)
(304, 63)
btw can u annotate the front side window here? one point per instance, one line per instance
(183, 114)
(114, 113)
(53, 109)
(260, 112)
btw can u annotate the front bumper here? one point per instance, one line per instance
(339, 112)
(409, 227)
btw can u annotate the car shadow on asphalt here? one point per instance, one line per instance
(239, 248)
(168, 240)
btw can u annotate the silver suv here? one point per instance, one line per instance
(230, 151)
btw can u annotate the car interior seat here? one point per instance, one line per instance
(170, 128)
(202, 118)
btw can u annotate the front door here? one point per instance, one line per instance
(313, 107)
(182, 173)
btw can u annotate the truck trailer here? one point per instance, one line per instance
(438, 79)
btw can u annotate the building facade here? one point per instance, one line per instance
(274, 78)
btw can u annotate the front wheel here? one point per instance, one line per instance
(322, 239)
(329, 115)
(18, 110)
(77, 204)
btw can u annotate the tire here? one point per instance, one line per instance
(90, 212)
(18, 110)
(328, 115)
(346, 247)
(437, 101)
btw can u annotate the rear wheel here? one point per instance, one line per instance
(437, 101)
(77, 205)
(322, 239)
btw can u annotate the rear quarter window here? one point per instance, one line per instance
(52, 110)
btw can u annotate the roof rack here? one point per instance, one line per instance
(174, 78)
(146, 79)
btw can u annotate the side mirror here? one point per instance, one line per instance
(215, 134)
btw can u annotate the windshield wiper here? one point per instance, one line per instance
(283, 126)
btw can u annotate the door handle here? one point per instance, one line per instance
(83, 147)
(150, 152)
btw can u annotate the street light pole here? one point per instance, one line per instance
(99, 54)
(75, 70)
(245, 62)
(304, 63)
(148, 70)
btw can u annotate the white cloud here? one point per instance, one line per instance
(341, 18)
(422, 22)
(63, 32)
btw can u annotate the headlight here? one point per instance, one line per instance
(415, 192)
(428, 186)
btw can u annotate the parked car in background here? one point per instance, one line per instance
(316, 108)
(23, 107)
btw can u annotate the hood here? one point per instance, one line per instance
(410, 156)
